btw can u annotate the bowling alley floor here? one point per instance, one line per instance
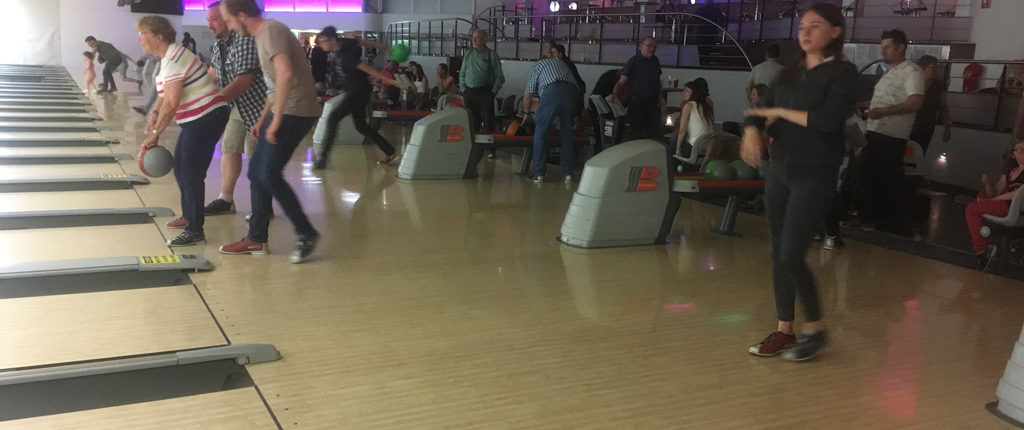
(449, 304)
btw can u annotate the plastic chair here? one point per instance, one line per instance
(913, 160)
(1005, 227)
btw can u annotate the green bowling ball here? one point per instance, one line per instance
(744, 171)
(720, 170)
(400, 52)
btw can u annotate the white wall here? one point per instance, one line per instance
(727, 87)
(996, 30)
(105, 21)
(29, 31)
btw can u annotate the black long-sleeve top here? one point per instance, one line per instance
(828, 93)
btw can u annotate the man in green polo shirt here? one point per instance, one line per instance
(480, 79)
(111, 59)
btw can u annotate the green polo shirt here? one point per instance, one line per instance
(481, 68)
(108, 51)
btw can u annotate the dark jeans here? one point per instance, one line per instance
(881, 176)
(796, 200)
(354, 104)
(480, 104)
(110, 65)
(558, 103)
(192, 157)
(266, 182)
(645, 121)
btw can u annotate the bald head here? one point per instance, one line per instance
(479, 38)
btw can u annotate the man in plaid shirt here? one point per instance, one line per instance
(235, 65)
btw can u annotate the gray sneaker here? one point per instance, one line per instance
(305, 247)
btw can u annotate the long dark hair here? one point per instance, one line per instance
(834, 17)
(699, 95)
(417, 74)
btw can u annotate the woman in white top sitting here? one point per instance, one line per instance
(420, 85)
(696, 118)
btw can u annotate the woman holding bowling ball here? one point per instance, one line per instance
(805, 115)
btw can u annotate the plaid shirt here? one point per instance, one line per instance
(546, 72)
(236, 56)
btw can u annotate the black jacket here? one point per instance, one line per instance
(828, 93)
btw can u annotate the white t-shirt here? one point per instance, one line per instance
(895, 87)
(766, 73)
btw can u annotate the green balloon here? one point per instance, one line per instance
(399, 52)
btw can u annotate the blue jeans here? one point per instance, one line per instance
(559, 102)
(192, 157)
(266, 182)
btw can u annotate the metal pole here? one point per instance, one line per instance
(760, 31)
(935, 12)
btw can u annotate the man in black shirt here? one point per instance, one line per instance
(643, 75)
(348, 63)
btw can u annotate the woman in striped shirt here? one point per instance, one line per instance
(189, 96)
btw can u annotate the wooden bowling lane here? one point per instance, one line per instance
(54, 150)
(66, 243)
(240, 409)
(69, 200)
(69, 328)
(36, 171)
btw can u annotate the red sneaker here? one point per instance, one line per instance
(388, 159)
(772, 345)
(245, 246)
(178, 222)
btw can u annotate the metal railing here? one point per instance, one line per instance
(985, 100)
(445, 37)
(685, 40)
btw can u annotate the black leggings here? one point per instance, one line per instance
(796, 201)
(354, 104)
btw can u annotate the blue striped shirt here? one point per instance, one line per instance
(546, 72)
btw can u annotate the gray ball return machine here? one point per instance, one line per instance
(442, 146)
(628, 196)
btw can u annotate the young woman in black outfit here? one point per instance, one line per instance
(805, 117)
(357, 89)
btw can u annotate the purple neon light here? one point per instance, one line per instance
(279, 5)
(292, 5)
(345, 5)
(196, 4)
(310, 6)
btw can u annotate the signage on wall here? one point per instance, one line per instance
(985, 4)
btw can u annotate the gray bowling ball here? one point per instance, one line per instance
(744, 171)
(156, 161)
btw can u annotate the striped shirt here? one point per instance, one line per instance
(546, 72)
(199, 94)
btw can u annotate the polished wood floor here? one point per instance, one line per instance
(449, 304)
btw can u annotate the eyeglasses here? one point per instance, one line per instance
(1018, 150)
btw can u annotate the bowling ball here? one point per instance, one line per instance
(156, 161)
(744, 171)
(720, 170)
(399, 52)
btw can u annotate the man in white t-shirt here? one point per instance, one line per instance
(768, 71)
(898, 95)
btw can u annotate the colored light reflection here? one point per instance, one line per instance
(732, 318)
(279, 5)
(293, 5)
(310, 6)
(679, 307)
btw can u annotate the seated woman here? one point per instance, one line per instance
(421, 98)
(994, 199)
(445, 82)
(757, 94)
(695, 119)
